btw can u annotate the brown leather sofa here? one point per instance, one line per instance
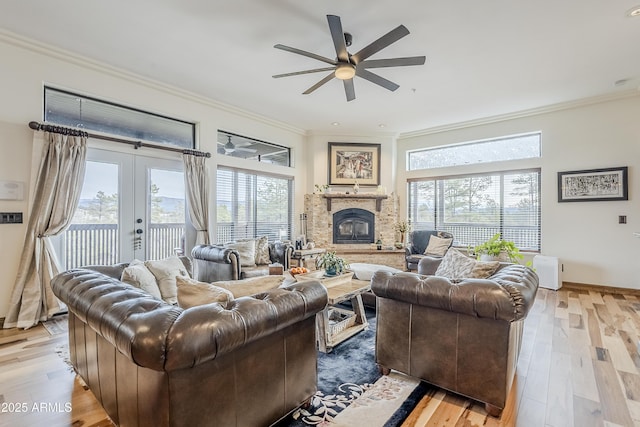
(150, 363)
(218, 262)
(463, 336)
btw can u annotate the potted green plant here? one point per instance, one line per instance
(332, 263)
(497, 249)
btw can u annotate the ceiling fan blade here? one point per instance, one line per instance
(337, 34)
(320, 83)
(391, 37)
(297, 73)
(305, 53)
(246, 150)
(349, 90)
(374, 78)
(393, 62)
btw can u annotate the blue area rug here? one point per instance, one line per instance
(349, 374)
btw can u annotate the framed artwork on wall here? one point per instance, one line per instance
(350, 163)
(594, 185)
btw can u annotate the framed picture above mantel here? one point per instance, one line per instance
(593, 185)
(351, 162)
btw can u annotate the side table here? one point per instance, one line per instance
(303, 255)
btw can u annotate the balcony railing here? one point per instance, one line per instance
(98, 244)
(525, 237)
(228, 231)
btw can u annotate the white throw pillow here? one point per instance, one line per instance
(136, 274)
(455, 265)
(166, 270)
(247, 251)
(362, 271)
(192, 293)
(437, 246)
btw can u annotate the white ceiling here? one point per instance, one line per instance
(484, 58)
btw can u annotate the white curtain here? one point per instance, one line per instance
(57, 191)
(197, 185)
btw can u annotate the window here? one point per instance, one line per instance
(230, 144)
(251, 205)
(78, 111)
(475, 207)
(493, 150)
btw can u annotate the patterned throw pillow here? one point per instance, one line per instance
(437, 246)
(247, 251)
(192, 293)
(136, 274)
(455, 265)
(484, 269)
(262, 250)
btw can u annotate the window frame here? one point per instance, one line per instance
(254, 175)
(113, 129)
(474, 143)
(438, 225)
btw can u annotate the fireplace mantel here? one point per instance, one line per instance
(377, 197)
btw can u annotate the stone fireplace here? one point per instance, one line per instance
(342, 222)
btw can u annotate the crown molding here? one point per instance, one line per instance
(41, 48)
(524, 113)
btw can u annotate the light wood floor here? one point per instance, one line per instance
(579, 366)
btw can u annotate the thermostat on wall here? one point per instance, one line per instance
(11, 190)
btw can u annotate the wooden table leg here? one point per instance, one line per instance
(322, 328)
(358, 309)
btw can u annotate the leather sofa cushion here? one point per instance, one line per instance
(192, 293)
(250, 286)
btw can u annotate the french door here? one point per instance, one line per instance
(131, 206)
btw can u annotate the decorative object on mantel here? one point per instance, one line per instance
(497, 249)
(356, 187)
(379, 243)
(322, 188)
(350, 162)
(595, 185)
(402, 227)
(332, 263)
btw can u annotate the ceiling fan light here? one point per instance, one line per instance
(345, 71)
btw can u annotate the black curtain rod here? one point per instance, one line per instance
(136, 144)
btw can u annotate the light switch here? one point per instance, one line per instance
(10, 217)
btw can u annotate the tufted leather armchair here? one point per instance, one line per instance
(150, 363)
(418, 242)
(217, 262)
(462, 336)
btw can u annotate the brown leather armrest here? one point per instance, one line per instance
(507, 295)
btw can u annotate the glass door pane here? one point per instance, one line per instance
(93, 236)
(159, 208)
(166, 207)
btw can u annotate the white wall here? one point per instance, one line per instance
(586, 236)
(27, 67)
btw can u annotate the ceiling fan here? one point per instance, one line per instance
(229, 147)
(346, 66)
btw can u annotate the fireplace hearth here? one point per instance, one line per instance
(353, 226)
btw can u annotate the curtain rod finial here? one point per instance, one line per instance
(34, 125)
